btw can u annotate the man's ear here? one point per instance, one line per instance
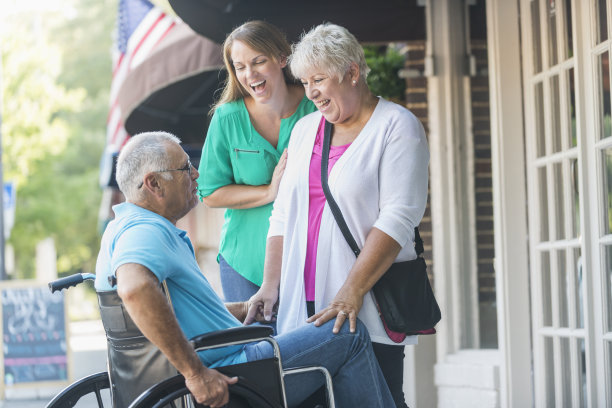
(151, 183)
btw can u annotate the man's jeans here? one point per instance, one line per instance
(358, 380)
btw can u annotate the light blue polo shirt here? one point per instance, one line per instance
(140, 236)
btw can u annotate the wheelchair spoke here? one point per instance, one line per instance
(99, 398)
(70, 396)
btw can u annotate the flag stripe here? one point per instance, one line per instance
(117, 125)
(116, 65)
(153, 27)
(146, 44)
(162, 28)
(143, 29)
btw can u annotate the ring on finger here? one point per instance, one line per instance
(343, 313)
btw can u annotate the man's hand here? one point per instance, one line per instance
(238, 309)
(209, 387)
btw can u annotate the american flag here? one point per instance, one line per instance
(140, 26)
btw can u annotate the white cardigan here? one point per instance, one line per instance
(380, 181)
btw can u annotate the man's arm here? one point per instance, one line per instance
(148, 307)
(238, 309)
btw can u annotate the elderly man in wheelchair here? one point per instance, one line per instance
(142, 248)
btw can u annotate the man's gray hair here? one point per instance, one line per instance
(143, 153)
(330, 48)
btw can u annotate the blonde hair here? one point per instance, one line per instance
(262, 37)
(328, 47)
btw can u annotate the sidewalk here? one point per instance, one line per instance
(88, 356)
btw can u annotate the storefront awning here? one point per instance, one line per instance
(369, 20)
(173, 88)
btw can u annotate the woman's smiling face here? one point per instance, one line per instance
(334, 99)
(258, 73)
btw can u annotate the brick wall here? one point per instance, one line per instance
(416, 101)
(483, 196)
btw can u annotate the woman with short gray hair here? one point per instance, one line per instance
(378, 176)
(330, 48)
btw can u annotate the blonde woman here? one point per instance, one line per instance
(244, 155)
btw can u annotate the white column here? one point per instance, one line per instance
(452, 221)
(509, 198)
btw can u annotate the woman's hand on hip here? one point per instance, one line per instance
(346, 305)
(263, 305)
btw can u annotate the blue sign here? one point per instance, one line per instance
(8, 202)
(9, 195)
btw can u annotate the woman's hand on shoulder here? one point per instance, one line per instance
(277, 175)
(263, 305)
(345, 306)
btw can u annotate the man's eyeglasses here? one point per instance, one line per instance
(187, 167)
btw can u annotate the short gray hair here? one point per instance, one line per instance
(143, 153)
(329, 47)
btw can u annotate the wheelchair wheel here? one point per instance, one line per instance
(170, 393)
(93, 384)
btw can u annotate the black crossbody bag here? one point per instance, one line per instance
(403, 295)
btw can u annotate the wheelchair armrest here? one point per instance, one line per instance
(242, 334)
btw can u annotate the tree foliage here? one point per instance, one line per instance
(56, 73)
(383, 79)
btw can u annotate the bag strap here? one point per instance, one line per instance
(418, 242)
(328, 196)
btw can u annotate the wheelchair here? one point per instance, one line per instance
(139, 375)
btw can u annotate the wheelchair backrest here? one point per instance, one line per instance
(135, 364)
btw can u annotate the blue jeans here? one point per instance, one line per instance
(391, 362)
(236, 288)
(349, 358)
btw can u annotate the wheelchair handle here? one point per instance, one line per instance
(68, 281)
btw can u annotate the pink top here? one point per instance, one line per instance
(316, 203)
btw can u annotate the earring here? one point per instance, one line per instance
(354, 82)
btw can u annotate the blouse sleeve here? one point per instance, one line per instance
(215, 164)
(403, 176)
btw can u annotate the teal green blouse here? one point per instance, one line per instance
(234, 153)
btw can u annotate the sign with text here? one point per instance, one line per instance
(33, 334)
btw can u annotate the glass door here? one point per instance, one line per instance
(601, 158)
(555, 197)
